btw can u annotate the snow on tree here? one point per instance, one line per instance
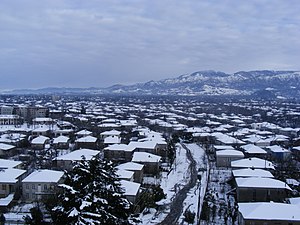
(92, 194)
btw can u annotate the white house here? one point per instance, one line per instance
(252, 163)
(225, 157)
(150, 161)
(268, 213)
(65, 162)
(40, 183)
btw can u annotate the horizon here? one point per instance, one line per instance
(100, 44)
(119, 84)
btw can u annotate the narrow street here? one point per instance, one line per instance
(177, 204)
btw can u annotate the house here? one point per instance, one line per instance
(7, 150)
(125, 175)
(87, 142)
(131, 190)
(61, 142)
(268, 213)
(41, 184)
(252, 163)
(252, 150)
(137, 168)
(44, 131)
(10, 180)
(150, 161)
(261, 189)
(111, 133)
(15, 139)
(10, 120)
(43, 122)
(225, 157)
(111, 140)
(224, 139)
(146, 146)
(279, 152)
(251, 172)
(65, 162)
(5, 164)
(39, 143)
(6, 203)
(119, 152)
(83, 133)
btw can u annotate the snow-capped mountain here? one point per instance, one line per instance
(212, 83)
(264, 83)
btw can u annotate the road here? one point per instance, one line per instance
(177, 204)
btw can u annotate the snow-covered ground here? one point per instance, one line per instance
(197, 193)
(171, 182)
(17, 214)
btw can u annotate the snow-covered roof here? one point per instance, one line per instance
(111, 132)
(111, 125)
(130, 166)
(253, 138)
(226, 139)
(5, 163)
(87, 139)
(145, 144)
(112, 140)
(77, 155)
(253, 149)
(10, 175)
(292, 182)
(48, 176)
(124, 174)
(130, 188)
(270, 211)
(40, 140)
(145, 157)
(84, 132)
(252, 163)
(120, 147)
(4, 202)
(252, 173)
(61, 139)
(6, 147)
(261, 182)
(295, 201)
(223, 147)
(41, 129)
(42, 119)
(296, 148)
(277, 149)
(230, 152)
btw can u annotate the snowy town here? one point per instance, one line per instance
(170, 160)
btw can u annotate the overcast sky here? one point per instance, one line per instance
(98, 43)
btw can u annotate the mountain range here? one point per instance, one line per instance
(262, 84)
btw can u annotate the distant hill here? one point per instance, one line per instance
(264, 84)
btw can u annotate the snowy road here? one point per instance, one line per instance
(182, 187)
(177, 204)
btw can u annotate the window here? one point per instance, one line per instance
(27, 186)
(3, 186)
(33, 186)
(45, 187)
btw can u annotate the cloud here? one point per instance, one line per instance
(100, 43)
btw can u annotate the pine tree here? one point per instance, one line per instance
(92, 194)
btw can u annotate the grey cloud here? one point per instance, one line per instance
(100, 43)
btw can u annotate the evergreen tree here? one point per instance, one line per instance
(92, 195)
(36, 217)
